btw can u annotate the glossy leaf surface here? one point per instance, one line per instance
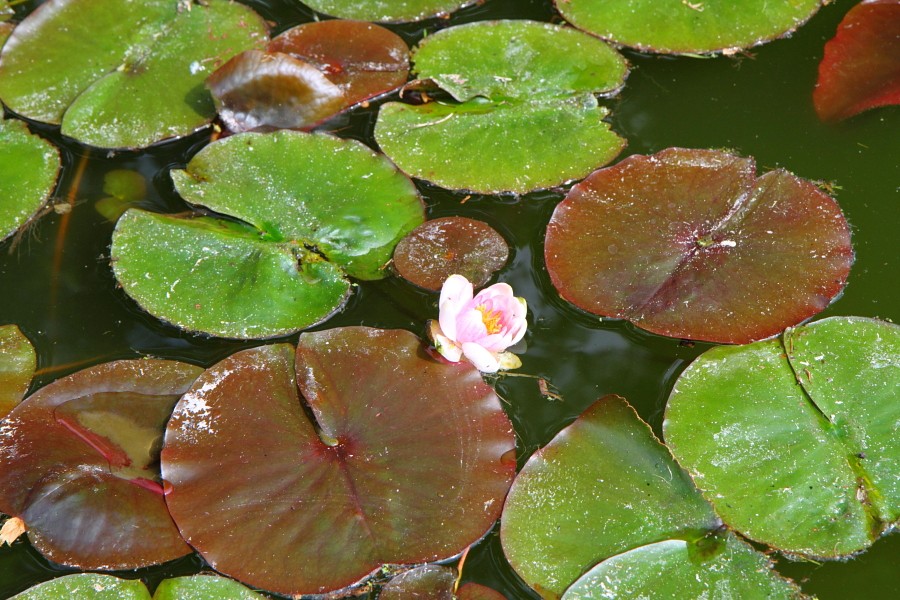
(677, 569)
(861, 66)
(679, 26)
(362, 59)
(204, 587)
(793, 440)
(527, 118)
(17, 364)
(314, 209)
(428, 582)
(691, 244)
(87, 586)
(407, 459)
(386, 10)
(602, 486)
(28, 170)
(262, 90)
(80, 463)
(439, 248)
(95, 66)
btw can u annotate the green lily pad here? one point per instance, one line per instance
(439, 248)
(302, 472)
(692, 244)
(95, 66)
(525, 115)
(314, 210)
(29, 166)
(87, 586)
(386, 10)
(602, 486)
(17, 364)
(669, 569)
(683, 27)
(204, 587)
(81, 465)
(794, 440)
(92, 586)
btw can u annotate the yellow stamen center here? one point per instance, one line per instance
(491, 319)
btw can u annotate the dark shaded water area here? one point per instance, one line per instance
(57, 285)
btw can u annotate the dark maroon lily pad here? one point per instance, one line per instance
(861, 66)
(80, 465)
(439, 248)
(691, 244)
(406, 460)
(363, 59)
(309, 73)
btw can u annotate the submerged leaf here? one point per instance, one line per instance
(685, 27)
(428, 582)
(396, 458)
(17, 364)
(861, 66)
(794, 440)
(95, 66)
(526, 115)
(314, 209)
(80, 465)
(691, 244)
(29, 166)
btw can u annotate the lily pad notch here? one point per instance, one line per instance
(307, 212)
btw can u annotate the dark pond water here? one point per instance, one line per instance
(57, 285)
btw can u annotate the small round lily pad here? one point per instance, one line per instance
(204, 587)
(386, 10)
(313, 211)
(439, 248)
(794, 440)
(29, 166)
(524, 114)
(17, 364)
(687, 27)
(692, 244)
(95, 67)
(356, 450)
(80, 465)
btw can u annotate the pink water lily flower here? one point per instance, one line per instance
(481, 327)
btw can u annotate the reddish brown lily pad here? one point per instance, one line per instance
(263, 90)
(439, 248)
(309, 73)
(861, 66)
(691, 244)
(407, 460)
(80, 465)
(363, 59)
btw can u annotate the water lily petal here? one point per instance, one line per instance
(483, 360)
(470, 326)
(496, 290)
(455, 294)
(444, 345)
(519, 332)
